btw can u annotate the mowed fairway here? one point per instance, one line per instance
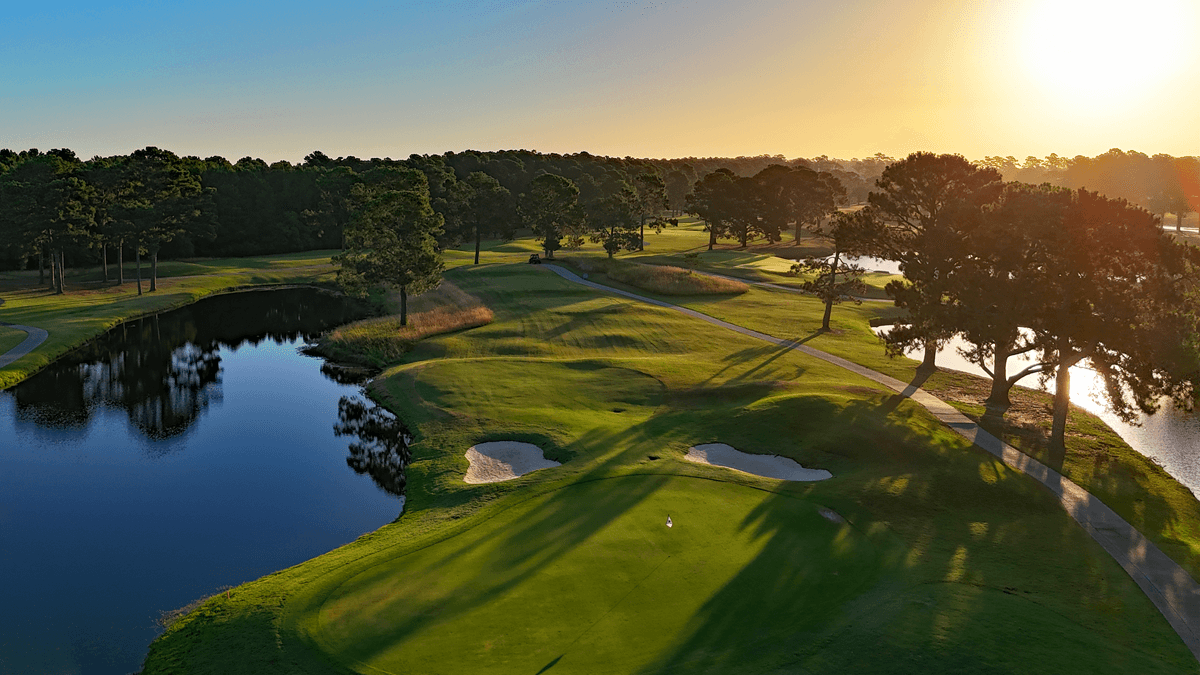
(947, 561)
(591, 578)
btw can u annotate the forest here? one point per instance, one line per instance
(57, 210)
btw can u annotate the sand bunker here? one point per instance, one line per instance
(769, 466)
(504, 460)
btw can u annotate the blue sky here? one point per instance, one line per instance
(669, 78)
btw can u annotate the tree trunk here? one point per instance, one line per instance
(104, 257)
(929, 364)
(41, 267)
(120, 261)
(712, 236)
(1062, 405)
(53, 272)
(62, 275)
(138, 257)
(998, 401)
(403, 306)
(476, 244)
(744, 236)
(154, 270)
(642, 236)
(832, 283)
(1178, 222)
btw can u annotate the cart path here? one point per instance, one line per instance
(1164, 582)
(34, 338)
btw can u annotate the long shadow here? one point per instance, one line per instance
(894, 401)
(541, 537)
(745, 356)
(950, 563)
(517, 552)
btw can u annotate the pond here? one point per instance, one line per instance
(870, 264)
(1170, 437)
(175, 455)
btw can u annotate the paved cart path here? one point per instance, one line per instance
(1168, 585)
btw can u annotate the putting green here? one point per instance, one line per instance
(589, 577)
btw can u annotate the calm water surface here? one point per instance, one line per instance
(179, 454)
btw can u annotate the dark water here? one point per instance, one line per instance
(180, 453)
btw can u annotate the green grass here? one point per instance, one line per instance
(761, 261)
(9, 338)
(1097, 459)
(949, 562)
(91, 307)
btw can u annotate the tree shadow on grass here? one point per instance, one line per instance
(511, 554)
(950, 563)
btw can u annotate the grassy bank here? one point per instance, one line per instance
(91, 307)
(383, 340)
(948, 561)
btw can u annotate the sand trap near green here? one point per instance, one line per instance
(768, 466)
(590, 577)
(497, 461)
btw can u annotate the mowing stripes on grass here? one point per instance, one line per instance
(383, 340)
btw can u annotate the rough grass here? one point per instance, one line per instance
(949, 561)
(658, 279)
(383, 340)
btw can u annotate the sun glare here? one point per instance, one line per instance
(1089, 53)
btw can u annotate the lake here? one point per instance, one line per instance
(175, 455)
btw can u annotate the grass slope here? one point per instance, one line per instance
(949, 561)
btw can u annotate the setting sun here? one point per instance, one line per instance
(1088, 52)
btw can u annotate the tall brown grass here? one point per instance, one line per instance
(382, 340)
(661, 279)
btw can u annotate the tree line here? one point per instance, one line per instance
(1063, 275)
(58, 210)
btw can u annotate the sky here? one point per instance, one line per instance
(669, 78)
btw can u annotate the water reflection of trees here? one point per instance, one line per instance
(164, 370)
(382, 449)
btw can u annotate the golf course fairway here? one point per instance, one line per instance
(592, 574)
(948, 560)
